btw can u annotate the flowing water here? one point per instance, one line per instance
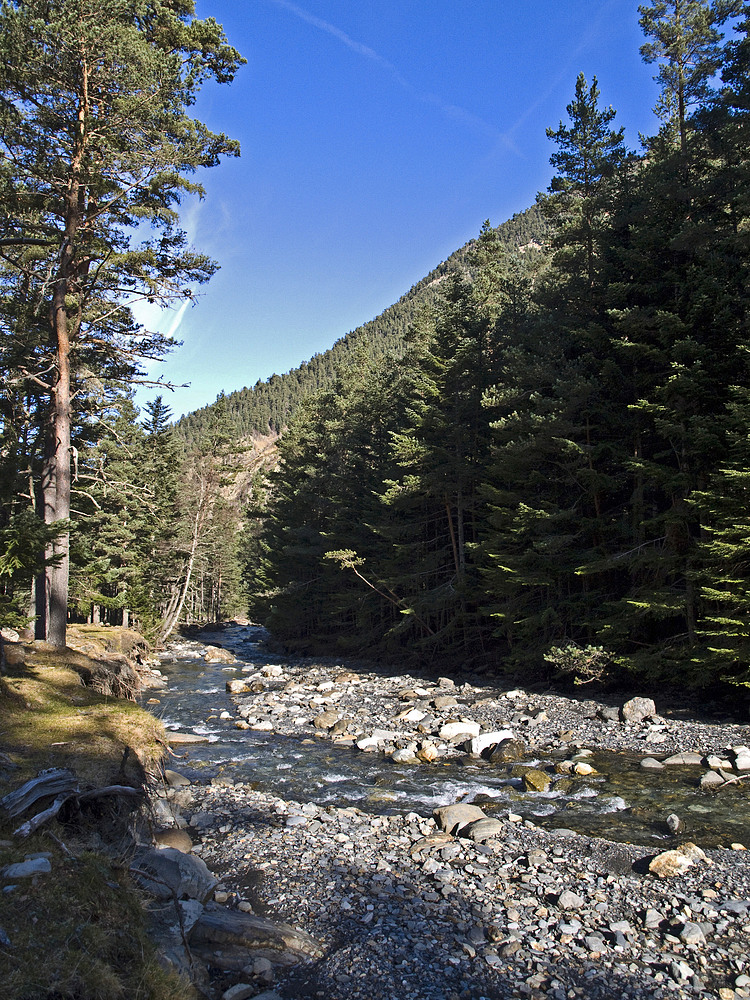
(622, 802)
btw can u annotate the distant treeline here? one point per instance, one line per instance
(267, 406)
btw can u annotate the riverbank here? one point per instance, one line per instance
(71, 923)
(408, 910)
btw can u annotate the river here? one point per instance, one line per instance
(622, 801)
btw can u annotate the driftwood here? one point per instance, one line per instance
(54, 781)
(732, 779)
(61, 783)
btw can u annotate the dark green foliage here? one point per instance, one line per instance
(566, 463)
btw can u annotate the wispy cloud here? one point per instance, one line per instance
(453, 111)
(564, 75)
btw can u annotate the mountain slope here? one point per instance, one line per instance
(266, 407)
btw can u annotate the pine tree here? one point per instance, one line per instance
(685, 39)
(95, 140)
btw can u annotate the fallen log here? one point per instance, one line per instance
(63, 784)
(53, 781)
(27, 828)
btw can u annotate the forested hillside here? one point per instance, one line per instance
(267, 406)
(551, 476)
(535, 462)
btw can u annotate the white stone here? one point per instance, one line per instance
(484, 740)
(411, 715)
(453, 729)
(241, 991)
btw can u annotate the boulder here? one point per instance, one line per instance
(178, 839)
(638, 709)
(506, 751)
(184, 739)
(174, 779)
(444, 701)
(170, 874)
(684, 758)
(652, 764)
(27, 869)
(237, 686)
(569, 900)
(582, 769)
(535, 780)
(326, 720)
(482, 830)
(671, 863)
(452, 819)
(216, 654)
(486, 741)
(230, 939)
(456, 730)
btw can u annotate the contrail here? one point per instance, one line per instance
(176, 320)
(449, 110)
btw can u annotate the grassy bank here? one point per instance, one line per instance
(79, 930)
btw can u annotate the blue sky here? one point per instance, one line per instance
(377, 136)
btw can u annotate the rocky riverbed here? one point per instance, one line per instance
(422, 906)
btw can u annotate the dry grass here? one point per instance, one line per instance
(49, 719)
(78, 932)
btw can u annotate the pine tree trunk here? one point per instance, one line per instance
(56, 483)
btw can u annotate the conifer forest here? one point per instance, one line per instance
(536, 463)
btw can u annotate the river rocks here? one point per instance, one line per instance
(535, 780)
(453, 818)
(668, 864)
(406, 909)
(638, 709)
(418, 913)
